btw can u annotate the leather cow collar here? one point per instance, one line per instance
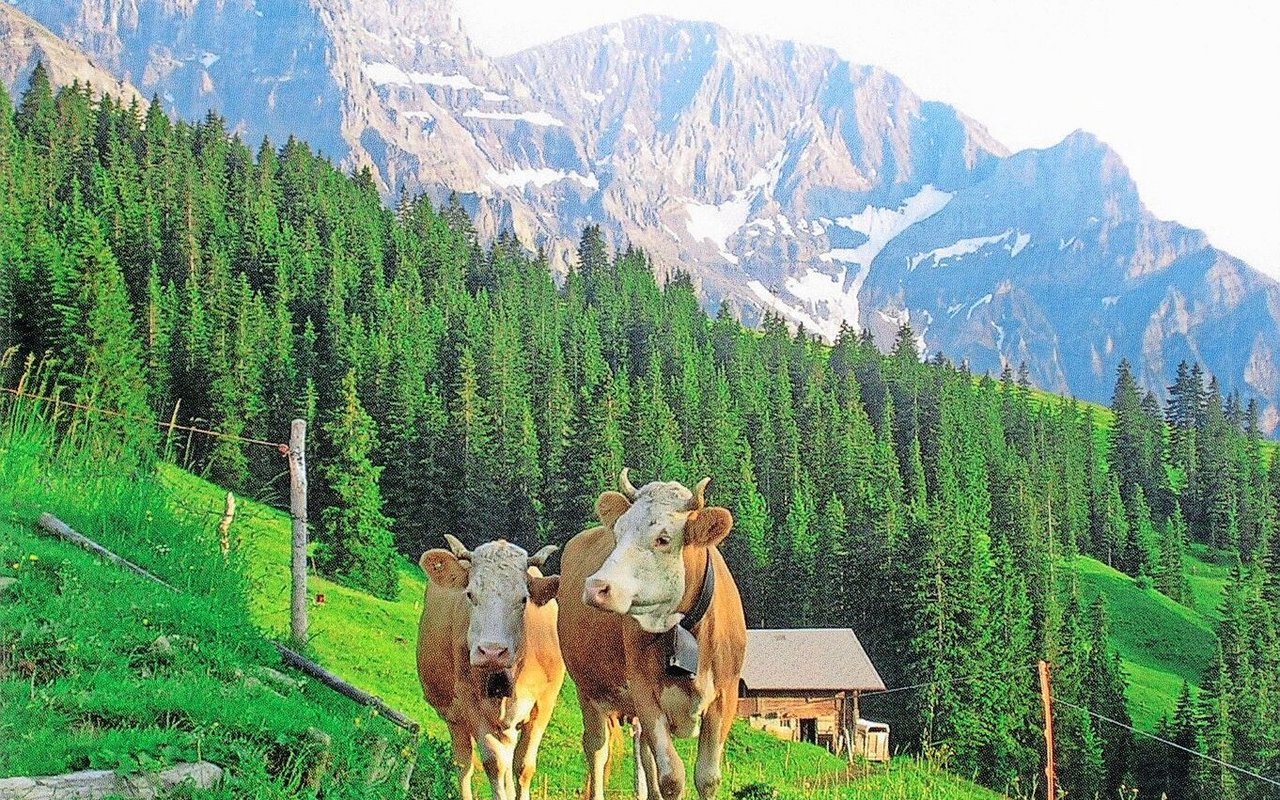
(681, 644)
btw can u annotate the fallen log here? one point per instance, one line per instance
(294, 659)
(321, 674)
(64, 531)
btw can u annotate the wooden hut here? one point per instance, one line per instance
(803, 685)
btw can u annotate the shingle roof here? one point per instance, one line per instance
(808, 658)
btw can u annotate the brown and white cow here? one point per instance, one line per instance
(624, 585)
(489, 657)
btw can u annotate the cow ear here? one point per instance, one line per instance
(543, 590)
(610, 506)
(443, 569)
(708, 526)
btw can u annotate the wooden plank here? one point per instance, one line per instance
(321, 674)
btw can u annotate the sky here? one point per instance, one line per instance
(1177, 88)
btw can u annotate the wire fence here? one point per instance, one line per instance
(172, 425)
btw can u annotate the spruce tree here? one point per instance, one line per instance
(355, 544)
(1210, 778)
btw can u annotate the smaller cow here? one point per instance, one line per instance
(489, 657)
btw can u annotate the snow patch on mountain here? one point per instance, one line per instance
(540, 177)
(384, 73)
(984, 300)
(794, 314)
(961, 248)
(818, 289)
(881, 225)
(716, 223)
(531, 117)
(1019, 243)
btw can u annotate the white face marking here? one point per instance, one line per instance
(497, 590)
(645, 571)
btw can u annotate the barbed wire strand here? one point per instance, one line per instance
(961, 679)
(134, 418)
(1162, 740)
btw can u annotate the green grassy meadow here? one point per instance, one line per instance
(1161, 643)
(83, 684)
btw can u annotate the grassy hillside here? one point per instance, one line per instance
(102, 669)
(1161, 642)
(372, 643)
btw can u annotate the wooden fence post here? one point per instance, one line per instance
(1046, 696)
(298, 510)
(224, 527)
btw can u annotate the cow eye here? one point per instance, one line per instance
(663, 540)
(524, 600)
(471, 598)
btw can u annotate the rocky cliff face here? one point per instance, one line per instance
(781, 176)
(27, 42)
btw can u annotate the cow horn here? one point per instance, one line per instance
(456, 547)
(539, 558)
(699, 501)
(624, 483)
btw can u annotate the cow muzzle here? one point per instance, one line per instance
(601, 594)
(490, 655)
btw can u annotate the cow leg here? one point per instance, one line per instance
(642, 781)
(650, 769)
(462, 758)
(712, 736)
(670, 769)
(595, 745)
(526, 755)
(495, 755)
(706, 773)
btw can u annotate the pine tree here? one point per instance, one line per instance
(1104, 690)
(355, 542)
(1171, 571)
(1183, 733)
(1210, 778)
(833, 602)
(37, 116)
(97, 340)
